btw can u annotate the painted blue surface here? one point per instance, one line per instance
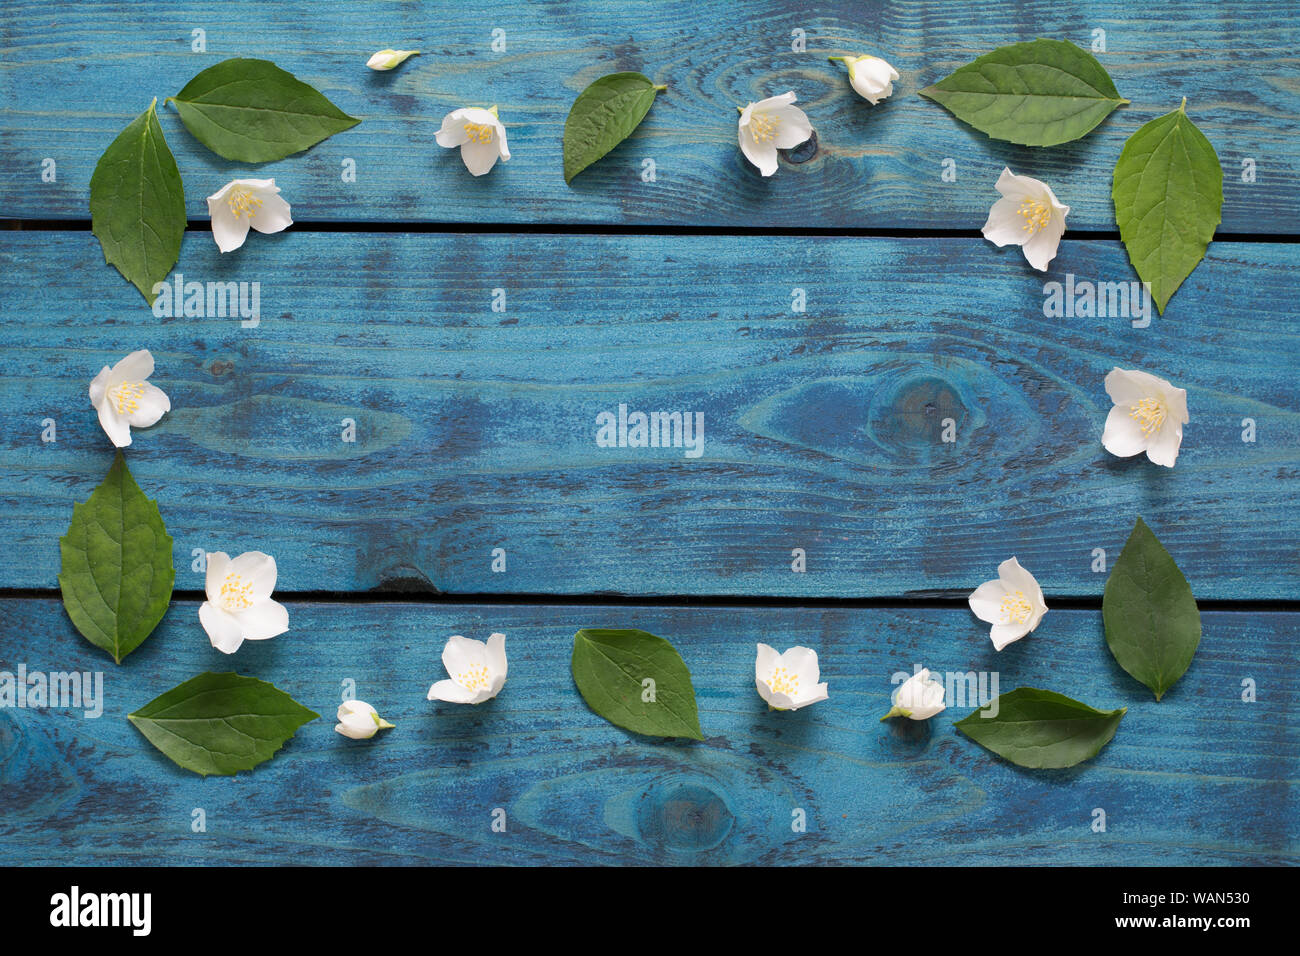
(74, 74)
(823, 429)
(824, 432)
(1198, 778)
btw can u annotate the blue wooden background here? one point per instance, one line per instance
(476, 430)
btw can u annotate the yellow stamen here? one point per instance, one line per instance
(126, 397)
(763, 126)
(781, 681)
(1150, 414)
(1035, 213)
(476, 678)
(243, 203)
(479, 132)
(236, 593)
(1016, 608)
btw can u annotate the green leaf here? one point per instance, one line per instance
(1039, 93)
(221, 723)
(1168, 193)
(611, 669)
(117, 569)
(1041, 728)
(252, 111)
(137, 204)
(1152, 623)
(603, 115)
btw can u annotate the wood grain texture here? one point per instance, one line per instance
(1199, 778)
(823, 430)
(73, 75)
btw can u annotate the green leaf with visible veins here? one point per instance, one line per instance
(1168, 193)
(117, 571)
(612, 669)
(1153, 626)
(1039, 93)
(1041, 729)
(252, 111)
(603, 115)
(137, 204)
(221, 723)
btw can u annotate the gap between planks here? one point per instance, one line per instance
(434, 598)
(628, 229)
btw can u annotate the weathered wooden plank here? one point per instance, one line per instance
(1200, 777)
(72, 75)
(823, 430)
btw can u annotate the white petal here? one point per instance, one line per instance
(1005, 226)
(986, 601)
(1176, 404)
(99, 387)
(501, 139)
(1004, 634)
(1130, 386)
(356, 728)
(151, 405)
(451, 692)
(258, 569)
(762, 155)
(1041, 248)
(264, 620)
(773, 102)
(765, 661)
(136, 367)
(802, 663)
(224, 631)
(273, 216)
(793, 127)
(228, 230)
(1020, 187)
(872, 78)
(1164, 445)
(496, 657)
(479, 157)
(1016, 578)
(354, 708)
(766, 692)
(1123, 436)
(452, 132)
(117, 428)
(218, 564)
(815, 696)
(462, 654)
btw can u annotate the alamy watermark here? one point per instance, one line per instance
(961, 688)
(208, 300)
(59, 690)
(626, 429)
(1083, 298)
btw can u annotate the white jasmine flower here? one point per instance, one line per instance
(788, 681)
(246, 202)
(919, 698)
(358, 720)
(239, 606)
(870, 76)
(1148, 416)
(769, 125)
(1028, 216)
(387, 59)
(1013, 603)
(124, 399)
(480, 135)
(478, 670)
